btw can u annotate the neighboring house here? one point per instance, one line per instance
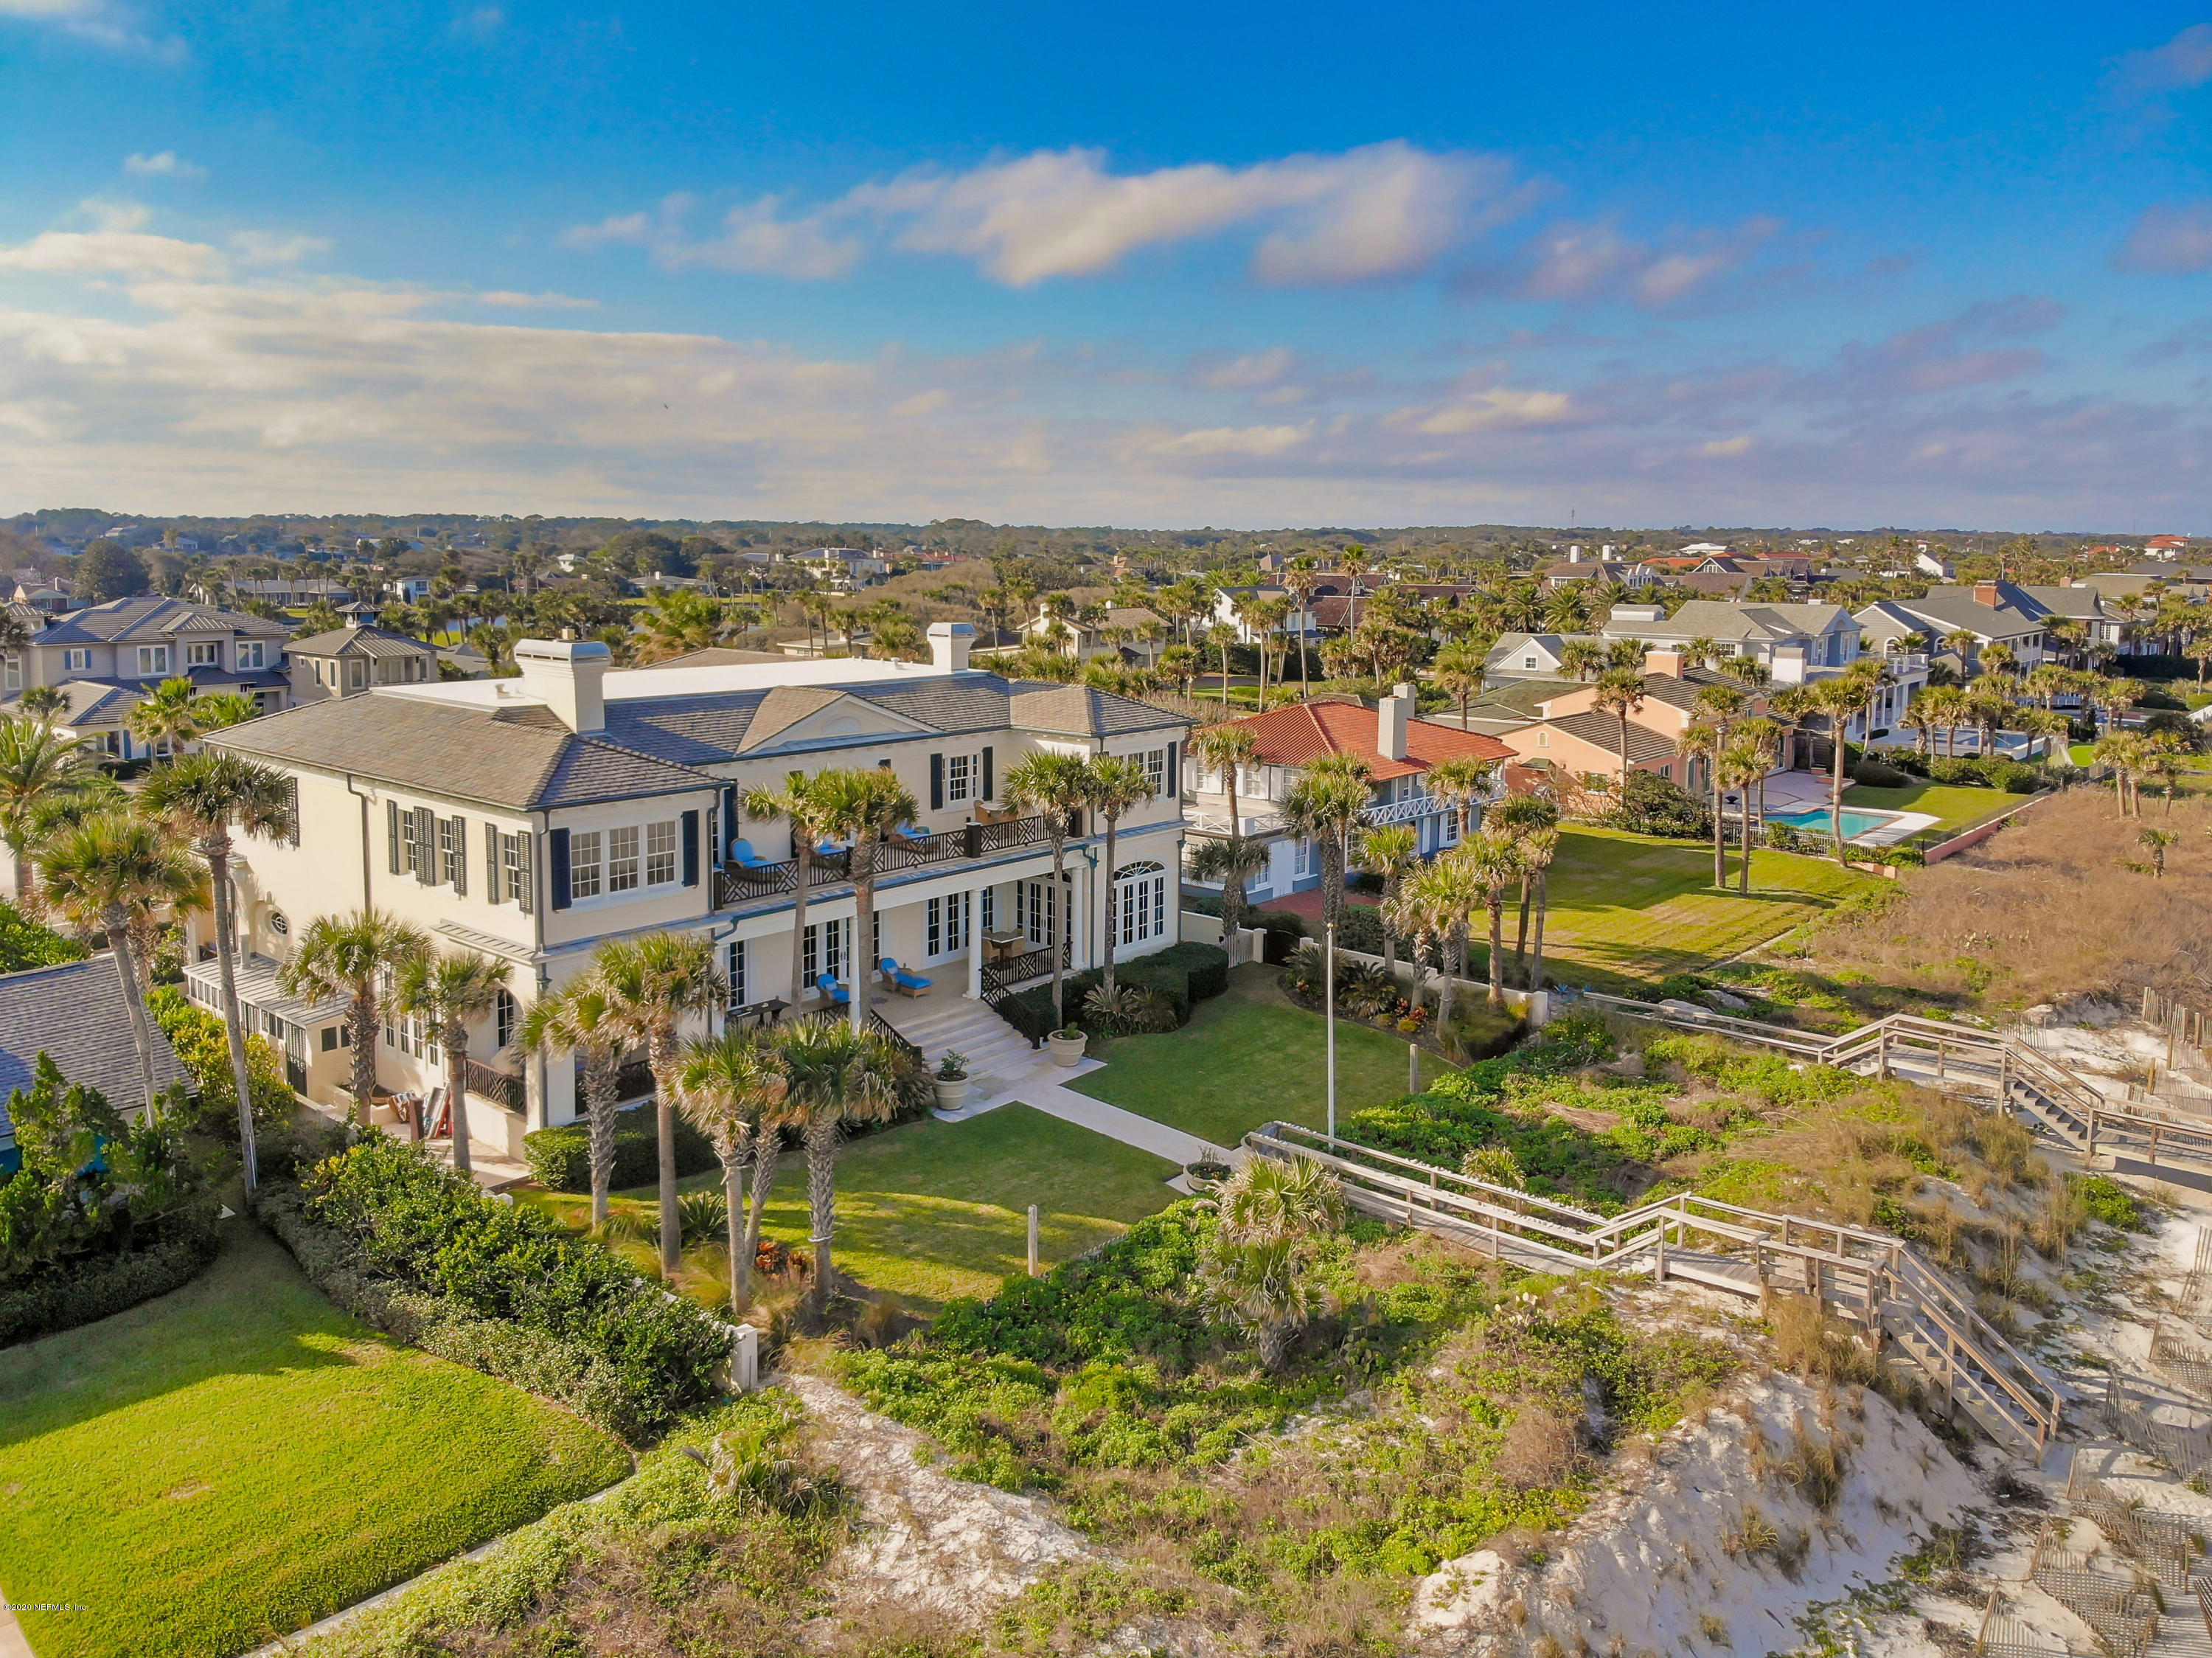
(1108, 635)
(1993, 612)
(1585, 749)
(105, 658)
(2084, 605)
(1603, 571)
(1529, 655)
(413, 589)
(531, 820)
(47, 599)
(844, 569)
(1559, 732)
(721, 657)
(75, 1013)
(1297, 624)
(1797, 643)
(1929, 563)
(1398, 747)
(294, 592)
(654, 581)
(347, 661)
(2166, 546)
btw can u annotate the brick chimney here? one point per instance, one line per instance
(1390, 716)
(1669, 662)
(1986, 593)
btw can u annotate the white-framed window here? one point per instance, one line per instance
(1038, 907)
(944, 926)
(823, 951)
(1140, 902)
(990, 909)
(153, 659)
(621, 859)
(960, 777)
(1306, 861)
(514, 870)
(204, 654)
(586, 849)
(660, 853)
(739, 994)
(505, 1016)
(356, 675)
(1527, 661)
(253, 653)
(76, 659)
(1156, 769)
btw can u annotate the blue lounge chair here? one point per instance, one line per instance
(742, 854)
(838, 995)
(904, 983)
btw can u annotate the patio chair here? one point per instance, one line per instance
(904, 983)
(838, 995)
(742, 854)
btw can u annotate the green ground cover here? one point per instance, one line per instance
(1951, 805)
(931, 1211)
(233, 1461)
(1628, 909)
(1248, 1058)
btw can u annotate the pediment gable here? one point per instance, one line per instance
(793, 717)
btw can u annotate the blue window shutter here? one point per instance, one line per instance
(557, 849)
(392, 830)
(989, 792)
(729, 817)
(937, 782)
(1175, 771)
(690, 848)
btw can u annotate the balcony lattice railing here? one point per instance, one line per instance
(501, 1088)
(735, 883)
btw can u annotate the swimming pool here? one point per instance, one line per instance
(1855, 824)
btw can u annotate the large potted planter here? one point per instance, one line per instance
(1066, 1047)
(952, 1082)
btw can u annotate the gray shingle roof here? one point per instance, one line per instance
(1080, 712)
(1603, 730)
(75, 1014)
(522, 757)
(360, 641)
(150, 618)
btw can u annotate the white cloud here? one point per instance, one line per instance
(105, 23)
(1236, 440)
(127, 253)
(1584, 263)
(1491, 408)
(163, 164)
(48, 10)
(2182, 63)
(516, 301)
(1386, 210)
(2171, 239)
(1740, 444)
(275, 246)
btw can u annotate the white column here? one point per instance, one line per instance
(974, 901)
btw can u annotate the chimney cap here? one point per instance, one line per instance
(562, 650)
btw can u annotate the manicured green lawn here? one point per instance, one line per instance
(931, 1211)
(1947, 801)
(1625, 907)
(233, 1461)
(1246, 1058)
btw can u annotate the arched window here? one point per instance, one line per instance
(505, 1016)
(1139, 901)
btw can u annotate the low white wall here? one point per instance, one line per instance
(1250, 945)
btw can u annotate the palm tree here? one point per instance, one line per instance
(449, 993)
(733, 1087)
(1839, 698)
(576, 1019)
(37, 764)
(1581, 659)
(1227, 748)
(837, 1074)
(1299, 581)
(652, 985)
(1519, 816)
(1221, 636)
(215, 709)
(43, 702)
(1619, 691)
(1255, 1275)
(97, 873)
(798, 804)
(1392, 851)
(1458, 671)
(1232, 861)
(1118, 783)
(1539, 848)
(866, 804)
(1494, 863)
(1055, 786)
(1743, 764)
(1718, 707)
(353, 956)
(1459, 783)
(1326, 805)
(1180, 664)
(1435, 903)
(168, 715)
(201, 795)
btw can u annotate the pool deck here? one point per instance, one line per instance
(1803, 791)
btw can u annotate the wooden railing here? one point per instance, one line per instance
(736, 883)
(2023, 1078)
(1000, 978)
(501, 1088)
(1866, 1278)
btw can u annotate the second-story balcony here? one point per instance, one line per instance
(739, 883)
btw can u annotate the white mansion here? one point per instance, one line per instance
(533, 818)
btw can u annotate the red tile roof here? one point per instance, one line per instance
(1294, 736)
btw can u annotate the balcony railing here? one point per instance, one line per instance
(736, 884)
(1217, 823)
(503, 1088)
(1002, 977)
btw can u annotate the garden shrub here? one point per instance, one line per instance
(561, 1157)
(2107, 1200)
(1285, 932)
(1873, 774)
(1961, 771)
(1652, 805)
(24, 943)
(203, 1048)
(1206, 966)
(1161, 972)
(102, 1213)
(1907, 760)
(2014, 776)
(422, 1252)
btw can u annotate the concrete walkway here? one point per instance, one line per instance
(1043, 1086)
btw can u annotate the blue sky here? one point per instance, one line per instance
(1226, 264)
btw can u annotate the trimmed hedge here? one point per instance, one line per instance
(87, 1292)
(421, 1252)
(1183, 973)
(561, 1157)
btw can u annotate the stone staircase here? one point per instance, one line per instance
(996, 1052)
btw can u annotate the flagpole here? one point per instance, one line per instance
(1329, 999)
